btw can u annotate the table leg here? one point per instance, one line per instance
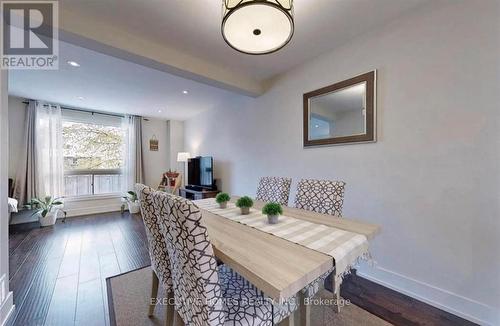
(336, 287)
(304, 311)
(290, 321)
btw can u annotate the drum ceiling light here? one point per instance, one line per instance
(257, 26)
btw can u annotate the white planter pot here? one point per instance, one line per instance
(272, 219)
(134, 207)
(49, 219)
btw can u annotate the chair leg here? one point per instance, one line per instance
(154, 294)
(170, 309)
(304, 311)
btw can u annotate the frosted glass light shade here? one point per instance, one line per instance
(257, 26)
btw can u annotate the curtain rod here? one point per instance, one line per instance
(82, 110)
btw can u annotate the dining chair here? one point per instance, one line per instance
(325, 197)
(207, 294)
(157, 252)
(274, 189)
(321, 196)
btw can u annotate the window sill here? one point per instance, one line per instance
(92, 197)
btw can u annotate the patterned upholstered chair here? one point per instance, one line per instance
(157, 250)
(325, 197)
(321, 196)
(206, 294)
(274, 189)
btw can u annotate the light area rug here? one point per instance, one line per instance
(128, 297)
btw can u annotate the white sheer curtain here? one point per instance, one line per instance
(133, 167)
(49, 155)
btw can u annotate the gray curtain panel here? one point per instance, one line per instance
(139, 171)
(25, 183)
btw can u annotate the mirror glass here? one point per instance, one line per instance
(340, 113)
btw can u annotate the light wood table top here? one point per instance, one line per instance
(343, 223)
(278, 267)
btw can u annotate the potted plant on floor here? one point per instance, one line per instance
(222, 199)
(244, 203)
(133, 202)
(45, 209)
(273, 211)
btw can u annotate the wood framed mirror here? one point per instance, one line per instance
(342, 113)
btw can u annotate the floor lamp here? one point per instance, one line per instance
(183, 157)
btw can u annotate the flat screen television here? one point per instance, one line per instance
(201, 172)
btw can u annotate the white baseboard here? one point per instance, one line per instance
(6, 309)
(456, 304)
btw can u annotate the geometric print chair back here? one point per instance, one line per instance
(321, 196)
(197, 292)
(156, 241)
(274, 189)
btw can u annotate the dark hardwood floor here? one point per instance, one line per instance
(58, 274)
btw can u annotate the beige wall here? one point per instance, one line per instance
(431, 181)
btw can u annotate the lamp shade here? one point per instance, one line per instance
(183, 156)
(257, 26)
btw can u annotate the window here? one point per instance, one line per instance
(93, 150)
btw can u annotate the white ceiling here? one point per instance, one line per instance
(114, 85)
(193, 26)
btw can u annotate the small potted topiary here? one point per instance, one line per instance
(273, 211)
(244, 203)
(222, 199)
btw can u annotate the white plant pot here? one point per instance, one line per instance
(134, 207)
(273, 219)
(49, 219)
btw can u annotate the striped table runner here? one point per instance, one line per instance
(344, 246)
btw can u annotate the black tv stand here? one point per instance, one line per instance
(201, 188)
(197, 194)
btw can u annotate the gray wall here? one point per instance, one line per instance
(432, 179)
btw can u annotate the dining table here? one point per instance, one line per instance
(278, 267)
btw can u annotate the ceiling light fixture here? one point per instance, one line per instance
(73, 63)
(185, 92)
(81, 98)
(257, 26)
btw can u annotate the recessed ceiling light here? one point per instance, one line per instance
(159, 111)
(81, 98)
(316, 126)
(73, 63)
(185, 92)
